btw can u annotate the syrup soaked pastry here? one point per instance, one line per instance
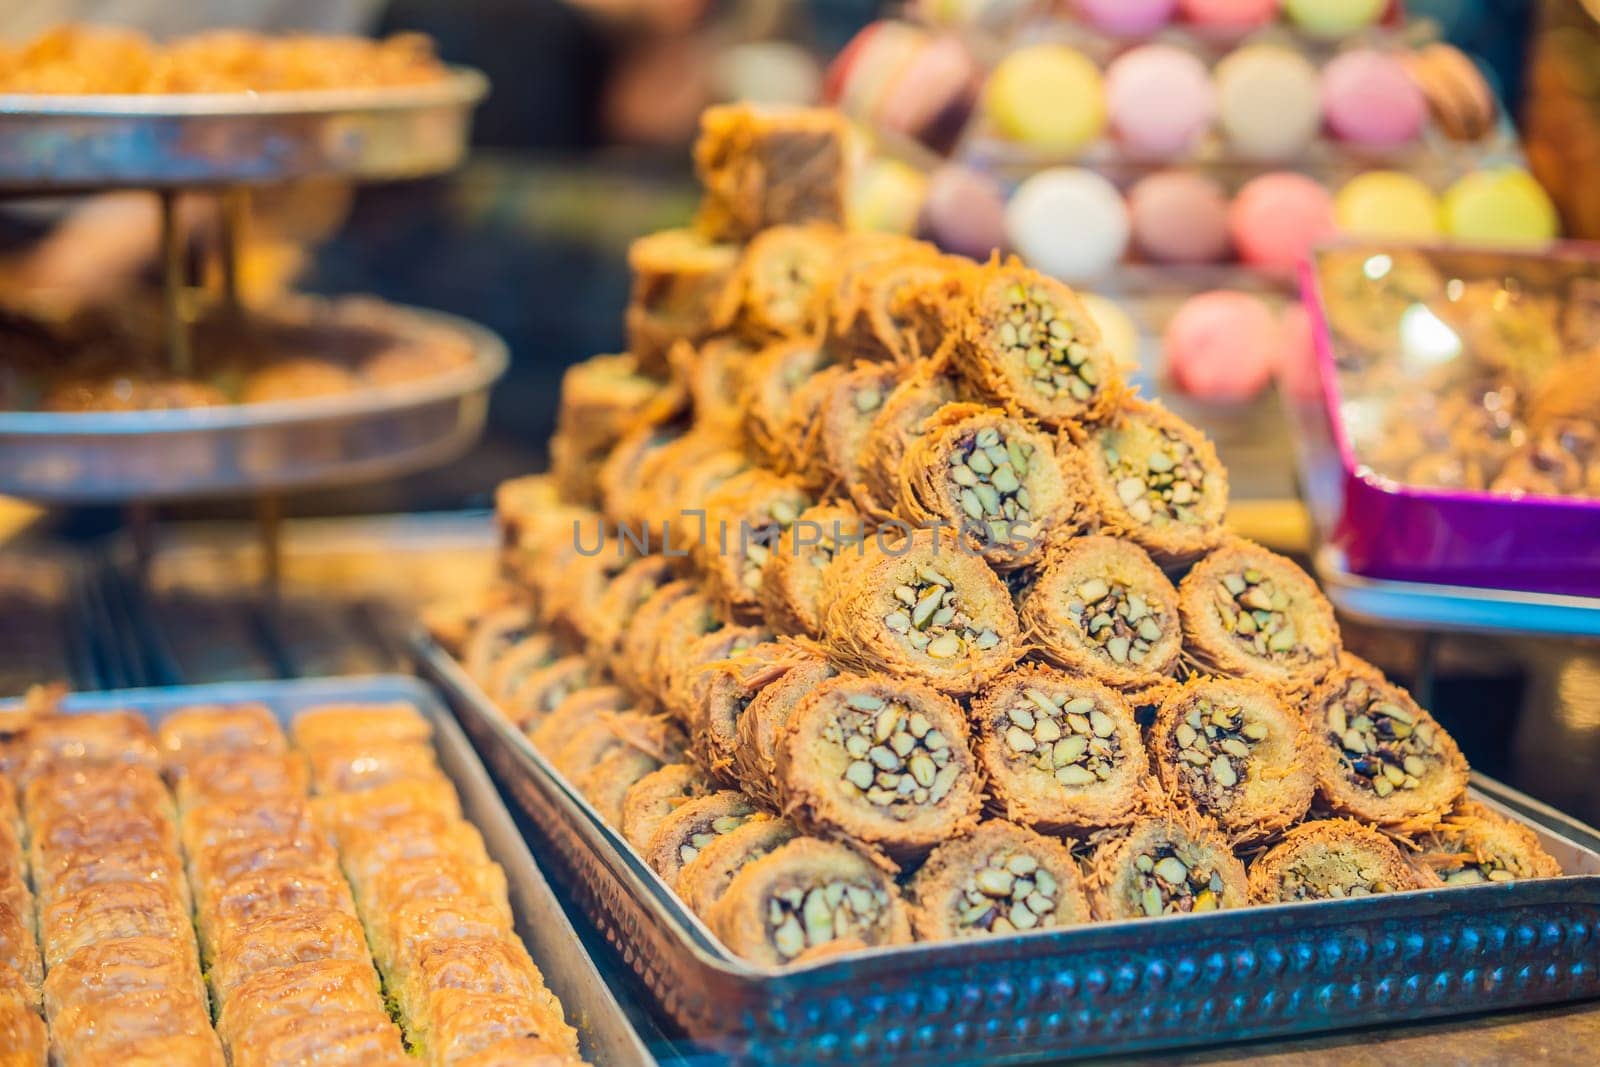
(677, 274)
(745, 519)
(993, 477)
(777, 291)
(657, 795)
(1168, 864)
(807, 899)
(868, 319)
(538, 696)
(1330, 859)
(688, 678)
(791, 579)
(622, 475)
(688, 620)
(763, 167)
(704, 879)
(605, 757)
(1476, 844)
(901, 420)
(189, 734)
(773, 377)
(922, 608)
(1099, 607)
(711, 374)
(642, 633)
(999, 879)
(844, 418)
(579, 709)
(882, 761)
(1378, 756)
(1232, 750)
(623, 596)
(1250, 613)
(1027, 342)
(516, 664)
(601, 399)
(693, 825)
(493, 636)
(1156, 480)
(802, 431)
(22, 1032)
(1062, 754)
(730, 685)
(570, 602)
(673, 490)
(763, 721)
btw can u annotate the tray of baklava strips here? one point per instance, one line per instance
(883, 670)
(277, 873)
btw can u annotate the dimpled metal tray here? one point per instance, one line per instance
(64, 143)
(374, 433)
(1092, 990)
(604, 1032)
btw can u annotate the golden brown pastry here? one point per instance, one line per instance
(998, 879)
(769, 167)
(1168, 864)
(691, 826)
(1330, 859)
(707, 876)
(1475, 844)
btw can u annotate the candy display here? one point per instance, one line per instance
(1269, 101)
(1179, 217)
(1383, 204)
(1160, 100)
(1070, 223)
(1369, 99)
(1223, 345)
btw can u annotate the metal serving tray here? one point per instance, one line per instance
(606, 1036)
(249, 448)
(1093, 990)
(61, 143)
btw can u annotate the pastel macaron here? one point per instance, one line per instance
(1387, 205)
(1117, 330)
(1229, 17)
(1047, 96)
(1369, 98)
(1269, 101)
(1160, 100)
(1069, 223)
(1506, 205)
(901, 77)
(1277, 218)
(1126, 18)
(1179, 217)
(1334, 18)
(1222, 346)
(964, 211)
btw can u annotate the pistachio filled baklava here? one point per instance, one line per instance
(807, 899)
(901, 420)
(868, 319)
(538, 695)
(691, 826)
(576, 711)
(745, 517)
(605, 758)
(1330, 859)
(1168, 864)
(776, 292)
(1475, 844)
(657, 795)
(764, 167)
(706, 877)
(879, 760)
(774, 376)
(791, 579)
(677, 274)
(761, 724)
(998, 879)
(844, 419)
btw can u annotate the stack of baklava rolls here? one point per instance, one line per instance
(881, 608)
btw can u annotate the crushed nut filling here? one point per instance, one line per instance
(760, 541)
(1009, 892)
(1162, 487)
(1116, 620)
(722, 824)
(933, 620)
(1062, 735)
(1034, 332)
(1382, 746)
(1213, 746)
(800, 919)
(1175, 878)
(1255, 611)
(898, 759)
(986, 474)
(1338, 877)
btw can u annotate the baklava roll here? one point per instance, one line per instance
(625, 594)
(543, 691)
(765, 717)
(600, 399)
(685, 623)
(1156, 480)
(704, 879)
(844, 419)
(1235, 752)
(810, 898)
(883, 761)
(729, 685)
(1250, 613)
(1330, 859)
(680, 516)
(999, 879)
(493, 637)
(689, 678)
(677, 276)
(603, 759)
(791, 579)
(571, 599)
(779, 288)
(576, 711)
(1378, 756)
(516, 664)
(764, 167)
(642, 633)
(1101, 608)
(802, 433)
(921, 607)
(1171, 863)
(745, 520)
(622, 482)
(775, 374)
(865, 320)
(992, 477)
(1476, 844)
(712, 374)
(1063, 755)
(1027, 342)
(657, 795)
(898, 424)
(693, 825)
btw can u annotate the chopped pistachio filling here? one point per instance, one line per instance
(760, 539)
(1382, 746)
(1034, 332)
(987, 479)
(1337, 876)
(1255, 610)
(1009, 892)
(898, 759)
(933, 620)
(799, 919)
(697, 841)
(1116, 620)
(1213, 745)
(1063, 735)
(1161, 487)
(1173, 878)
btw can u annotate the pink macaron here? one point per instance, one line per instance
(1126, 18)
(1179, 217)
(1160, 100)
(1277, 218)
(964, 211)
(1368, 98)
(1229, 17)
(1222, 346)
